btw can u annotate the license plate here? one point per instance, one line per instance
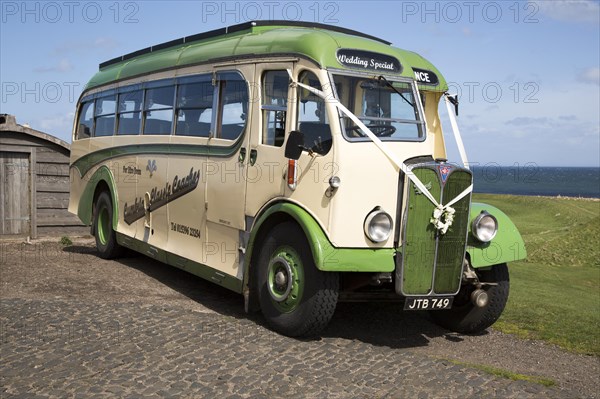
(428, 303)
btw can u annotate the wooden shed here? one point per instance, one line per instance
(34, 188)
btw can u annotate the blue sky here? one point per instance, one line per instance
(527, 73)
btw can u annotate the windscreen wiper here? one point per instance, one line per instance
(382, 78)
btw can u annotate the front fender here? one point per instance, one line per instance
(326, 256)
(507, 246)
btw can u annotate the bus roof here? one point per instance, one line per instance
(329, 46)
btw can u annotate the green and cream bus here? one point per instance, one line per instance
(298, 164)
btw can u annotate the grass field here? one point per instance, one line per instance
(555, 292)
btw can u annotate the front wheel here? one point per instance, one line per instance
(106, 239)
(295, 297)
(467, 318)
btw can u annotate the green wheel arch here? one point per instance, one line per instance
(316, 237)
(508, 245)
(325, 255)
(86, 201)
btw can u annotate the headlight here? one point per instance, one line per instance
(484, 227)
(378, 226)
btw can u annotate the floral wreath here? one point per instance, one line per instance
(442, 218)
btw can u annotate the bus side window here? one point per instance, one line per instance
(85, 124)
(274, 107)
(105, 116)
(194, 109)
(158, 110)
(233, 108)
(312, 116)
(129, 113)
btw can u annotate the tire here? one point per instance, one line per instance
(303, 305)
(465, 317)
(106, 239)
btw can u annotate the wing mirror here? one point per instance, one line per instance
(295, 145)
(454, 101)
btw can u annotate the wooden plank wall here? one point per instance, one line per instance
(15, 176)
(52, 199)
(51, 185)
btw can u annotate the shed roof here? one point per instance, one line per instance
(8, 123)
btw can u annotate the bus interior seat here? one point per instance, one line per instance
(105, 126)
(129, 126)
(279, 137)
(157, 126)
(83, 131)
(196, 129)
(231, 131)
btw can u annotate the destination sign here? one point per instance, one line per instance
(367, 60)
(426, 77)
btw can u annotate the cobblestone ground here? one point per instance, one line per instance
(75, 346)
(60, 349)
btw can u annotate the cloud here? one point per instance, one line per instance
(553, 131)
(527, 121)
(64, 65)
(76, 48)
(567, 117)
(570, 10)
(58, 122)
(590, 75)
(80, 47)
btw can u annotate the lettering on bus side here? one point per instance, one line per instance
(161, 196)
(132, 170)
(185, 230)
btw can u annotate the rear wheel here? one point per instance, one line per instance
(295, 297)
(467, 318)
(106, 239)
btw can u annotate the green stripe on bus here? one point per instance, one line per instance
(88, 161)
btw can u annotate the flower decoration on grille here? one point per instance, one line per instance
(442, 218)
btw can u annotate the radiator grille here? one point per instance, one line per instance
(431, 263)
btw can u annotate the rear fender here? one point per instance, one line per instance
(86, 202)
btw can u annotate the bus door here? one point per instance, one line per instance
(153, 186)
(267, 162)
(194, 106)
(226, 168)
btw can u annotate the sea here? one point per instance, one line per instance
(531, 179)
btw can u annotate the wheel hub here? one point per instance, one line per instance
(281, 279)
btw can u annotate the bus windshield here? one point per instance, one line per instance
(387, 108)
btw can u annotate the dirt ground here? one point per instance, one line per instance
(74, 274)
